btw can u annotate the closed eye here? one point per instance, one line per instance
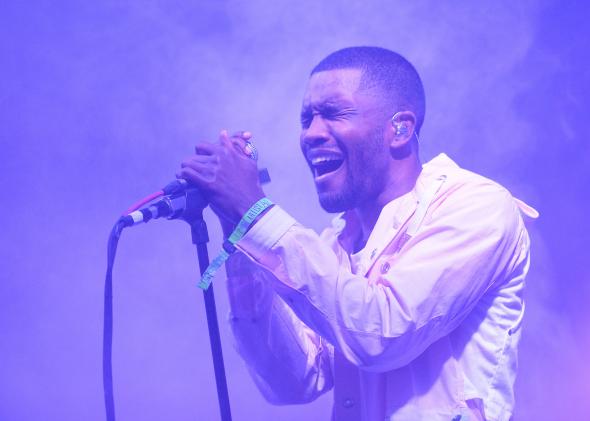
(306, 120)
(327, 114)
(339, 115)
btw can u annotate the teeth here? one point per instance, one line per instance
(322, 159)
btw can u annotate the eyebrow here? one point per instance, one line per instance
(329, 104)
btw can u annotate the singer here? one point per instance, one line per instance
(409, 307)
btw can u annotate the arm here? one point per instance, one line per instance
(288, 361)
(467, 243)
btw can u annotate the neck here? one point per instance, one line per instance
(401, 180)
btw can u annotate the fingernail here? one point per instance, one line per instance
(247, 135)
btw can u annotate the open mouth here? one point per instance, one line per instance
(323, 165)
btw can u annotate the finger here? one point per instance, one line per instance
(241, 147)
(202, 159)
(224, 138)
(202, 168)
(240, 138)
(242, 134)
(240, 141)
(206, 148)
(232, 143)
(193, 176)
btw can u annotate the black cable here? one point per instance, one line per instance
(107, 338)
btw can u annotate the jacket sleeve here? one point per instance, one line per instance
(288, 361)
(472, 237)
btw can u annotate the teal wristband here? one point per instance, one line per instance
(256, 209)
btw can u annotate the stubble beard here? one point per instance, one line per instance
(362, 182)
(341, 201)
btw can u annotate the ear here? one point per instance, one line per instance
(403, 125)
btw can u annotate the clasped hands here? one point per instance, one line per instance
(226, 174)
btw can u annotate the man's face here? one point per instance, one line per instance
(342, 139)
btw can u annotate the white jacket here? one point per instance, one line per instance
(423, 323)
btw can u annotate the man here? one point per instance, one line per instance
(409, 307)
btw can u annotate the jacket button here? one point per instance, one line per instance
(348, 403)
(385, 268)
(373, 253)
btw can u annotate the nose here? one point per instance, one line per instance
(315, 134)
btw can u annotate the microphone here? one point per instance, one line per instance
(181, 199)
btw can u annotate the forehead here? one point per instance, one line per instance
(332, 85)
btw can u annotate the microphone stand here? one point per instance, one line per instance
(193, 215)
(186, 203)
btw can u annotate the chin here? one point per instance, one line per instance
(336, 202)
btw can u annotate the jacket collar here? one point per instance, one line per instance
(394, 214)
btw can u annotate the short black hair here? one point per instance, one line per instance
(387, 70)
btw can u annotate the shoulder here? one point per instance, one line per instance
(461, 183)
(471, 200)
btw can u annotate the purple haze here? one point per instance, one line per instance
(99, 102)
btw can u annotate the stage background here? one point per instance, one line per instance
(100, 101)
